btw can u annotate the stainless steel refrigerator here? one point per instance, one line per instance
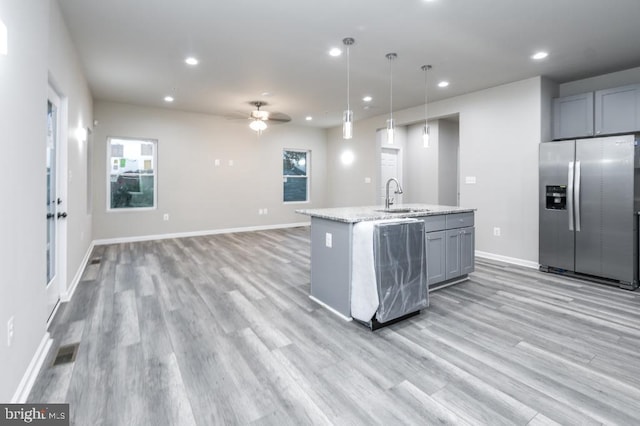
(588, 203)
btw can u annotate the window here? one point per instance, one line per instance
(295, 167)
(131, 182)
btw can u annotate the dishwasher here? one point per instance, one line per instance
(399, 263)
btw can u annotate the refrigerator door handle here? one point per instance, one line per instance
(570, 195)
(577, 200)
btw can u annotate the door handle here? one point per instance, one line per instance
(577, 196)
(62, 215)
(570, 195)
(50, 215)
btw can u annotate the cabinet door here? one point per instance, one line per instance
(467, 250)
(436, 255)
(453, 253)
(573, 116)
(618, 110)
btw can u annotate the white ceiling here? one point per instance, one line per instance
(133, 51)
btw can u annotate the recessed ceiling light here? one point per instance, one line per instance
(367, 99)
(443, 84)
(191, 61)
(335, 52)
(308, 118)
(168, 99)
(539, 55)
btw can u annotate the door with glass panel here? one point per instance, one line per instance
(53, 200)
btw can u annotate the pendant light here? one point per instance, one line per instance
(425, 129)
(390, 123)
(347, 117)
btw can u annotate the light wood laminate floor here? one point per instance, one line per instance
(220, 330)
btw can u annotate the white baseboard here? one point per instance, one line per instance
(507, 259)
(196, 233)
(68, 294)
(330, 309)
(29, 377)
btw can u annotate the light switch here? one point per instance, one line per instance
(470, 179)
(217, 162)
(328, 239)
(367, 180)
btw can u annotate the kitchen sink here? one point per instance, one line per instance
(402, 210)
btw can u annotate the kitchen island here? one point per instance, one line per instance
(449, 247)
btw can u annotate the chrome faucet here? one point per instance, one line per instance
(388, 201)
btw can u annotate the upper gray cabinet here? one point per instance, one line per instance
(573, 116)
(618, 110)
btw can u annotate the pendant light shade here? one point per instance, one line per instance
(425, 129)
(391, 130)
(347, 124)
(347, 117)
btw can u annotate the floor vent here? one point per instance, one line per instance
(96, 261)
(66, 354)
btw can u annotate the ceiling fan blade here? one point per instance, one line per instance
(236, 116)
(278, 117)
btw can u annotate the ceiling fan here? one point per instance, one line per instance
(259, 118)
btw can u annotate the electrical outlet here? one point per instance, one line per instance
(10, 331)
(166, 216)
(328, 239)
(217, 162)
(496, 232)
(266, 211)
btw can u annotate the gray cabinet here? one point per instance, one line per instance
(450, 247)
(436, 255)
(617, 110)
(467, 250)
(573, 116)
(460, 252)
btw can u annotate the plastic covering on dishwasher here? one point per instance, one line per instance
(400, 269)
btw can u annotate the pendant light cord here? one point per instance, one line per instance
(426, 69)
(348, 78)
(391, 87)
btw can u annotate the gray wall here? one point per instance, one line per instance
(448, 145)
(421, 171)
(197, 195)
(38, 46)
(500, 129)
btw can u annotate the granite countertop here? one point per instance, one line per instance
(360, 214)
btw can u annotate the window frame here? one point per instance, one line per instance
(307, 175)
(154, 142)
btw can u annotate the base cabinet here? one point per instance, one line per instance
(460, 252)
(450, 246)
(436, 248)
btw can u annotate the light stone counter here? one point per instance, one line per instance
(360, 214)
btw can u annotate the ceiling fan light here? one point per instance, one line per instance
(258, 125)
(260, 115)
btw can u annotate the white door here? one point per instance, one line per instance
(55, 214)
(390, 168)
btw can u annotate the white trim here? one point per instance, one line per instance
(196, 233)
(330, 309)
(29, 377)
(68, 294)
(506, 259)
